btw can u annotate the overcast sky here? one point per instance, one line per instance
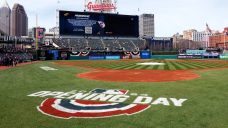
(171, 16)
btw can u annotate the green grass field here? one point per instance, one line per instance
(206, 105)
(169, 64)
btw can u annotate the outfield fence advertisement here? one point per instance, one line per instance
(112, 57)
(145, 54)
(223, 56)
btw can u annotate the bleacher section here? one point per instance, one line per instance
(82, 44)
(112, 45)
(127, 45)
(96, 44)
(225, 51)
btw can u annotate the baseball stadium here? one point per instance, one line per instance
(99, 73)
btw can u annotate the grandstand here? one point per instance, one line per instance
(112, 45)
(101, 45)
(225, 51)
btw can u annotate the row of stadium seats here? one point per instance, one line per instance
(82, 44)
(10, 55)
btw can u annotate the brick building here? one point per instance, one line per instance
(219, 40)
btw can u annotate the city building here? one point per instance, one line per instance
(200, 37)
(5, 12)
(19, 21)
(187, 34)
(219, 39)
(225, 30)
(159, 43)
(176, 38)
(146, 25)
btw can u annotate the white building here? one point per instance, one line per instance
(5, 13)
(146, 25)
(203, 36)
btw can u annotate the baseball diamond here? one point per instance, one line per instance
(57, 95)
(113, 64)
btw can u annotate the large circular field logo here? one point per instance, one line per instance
(61, 108)
(98, 103)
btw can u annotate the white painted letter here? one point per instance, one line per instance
(78, 96)
(142, 100)
(52, 94)
(102, 97)
(61, 96)
(162, 101)
(119, 98)
(90, 96)
(39, 93)
(177, 102)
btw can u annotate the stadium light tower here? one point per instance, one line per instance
(115, 2)
(86, 2)
(56, 30)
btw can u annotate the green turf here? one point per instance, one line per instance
(206, 107)
(169, 65)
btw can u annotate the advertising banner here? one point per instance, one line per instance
(224, 57)
(145, 54)
(112, 57)
(96, 57)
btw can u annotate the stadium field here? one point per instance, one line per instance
(50, 94)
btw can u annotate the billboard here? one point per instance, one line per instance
(145, 54)
(39, 34)
(97, 24)
(103, 6)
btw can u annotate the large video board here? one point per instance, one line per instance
(98, 24)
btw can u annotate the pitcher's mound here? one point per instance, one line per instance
(138, 75)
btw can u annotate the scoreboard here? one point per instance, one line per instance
(98, 24)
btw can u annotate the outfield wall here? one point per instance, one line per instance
(164, 57)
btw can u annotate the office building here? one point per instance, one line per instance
(5, 12)
(19, 21)
(146, 25)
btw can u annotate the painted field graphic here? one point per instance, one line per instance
(61, 108)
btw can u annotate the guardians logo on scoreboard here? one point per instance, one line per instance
(98, 103)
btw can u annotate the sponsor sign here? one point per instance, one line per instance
(101, 7)
(96, 57)
(145, 54)
(195, 51)
(184, 56)
(112, 57)
(98, 103)
(224, 57)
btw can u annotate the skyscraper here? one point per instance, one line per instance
(146, 25)
(19, 21)
(5, 18)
